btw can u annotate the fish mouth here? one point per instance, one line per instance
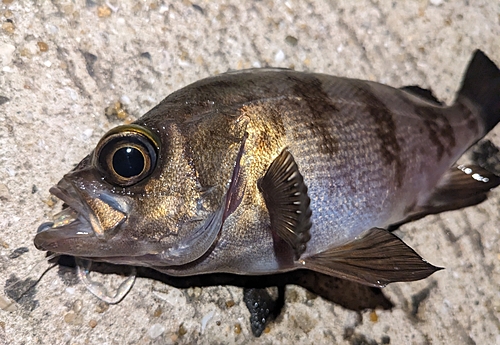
(68, 226)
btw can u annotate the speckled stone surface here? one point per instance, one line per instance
(62, 63)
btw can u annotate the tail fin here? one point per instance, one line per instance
(481, 85)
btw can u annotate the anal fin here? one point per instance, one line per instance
(377, 258)
(287, 202)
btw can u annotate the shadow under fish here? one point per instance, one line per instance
(264, 306)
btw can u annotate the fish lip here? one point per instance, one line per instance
(66, 192)
(56, 239)
(53, 238)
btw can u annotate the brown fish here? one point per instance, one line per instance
(270, 170)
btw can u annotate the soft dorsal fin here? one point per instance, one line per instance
(461, 186)
(377, 258)
(285, 194)
(422, 93)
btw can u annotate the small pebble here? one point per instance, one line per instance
(42, 46)
(6, 53)
(204, 321)
(194, 292)
(88, 133)
(146, 55)
(72, 93)
(237, 328)
(373, 316)
(3, 100)
(291, 40)
(53, 29)
(125, 99)
(121, 114)
(92, 323)
(156, 330)
(7, 304)
(101, 307)
(18, 252)
(4, 192)
(158, 311)
(229, 303)
(116, 110)
(182, 330)
(103, 11)
(69, 317)
(51, 201)
(78, 306)
(280, 56)
(8, 27)
(198, 8)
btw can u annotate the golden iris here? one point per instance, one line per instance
(126, 154)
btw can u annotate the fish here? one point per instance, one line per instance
(269, 170)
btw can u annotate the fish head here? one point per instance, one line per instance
(147, 195)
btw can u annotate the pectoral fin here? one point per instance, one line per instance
(377, 259)
(285, 194)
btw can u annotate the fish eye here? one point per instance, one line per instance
(126, 155)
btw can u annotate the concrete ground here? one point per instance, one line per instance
(63, 62)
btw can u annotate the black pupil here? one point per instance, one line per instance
(128, 162)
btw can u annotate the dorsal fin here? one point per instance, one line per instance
(461, 186)
(285, 194)
(464, 182)
(422, 93)
(376, 258)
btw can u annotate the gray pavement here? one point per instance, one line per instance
(62, 63)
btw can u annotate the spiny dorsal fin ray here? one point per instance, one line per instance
(377, 258)
(285, 194)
